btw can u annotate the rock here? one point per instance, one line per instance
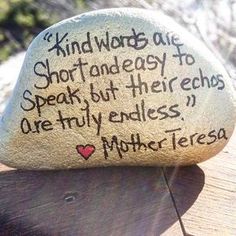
(117, 87)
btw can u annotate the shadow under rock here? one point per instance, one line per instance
(186, 184)
(98, 201)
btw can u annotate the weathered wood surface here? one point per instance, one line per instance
(110, 201)
(214, 211)
(197, 200)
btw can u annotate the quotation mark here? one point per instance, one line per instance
(47, 37)
(191, 100)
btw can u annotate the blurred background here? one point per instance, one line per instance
(212, 21)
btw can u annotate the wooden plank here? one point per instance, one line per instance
(213, 212)
(99, 201)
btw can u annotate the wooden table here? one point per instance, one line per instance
(197, 200)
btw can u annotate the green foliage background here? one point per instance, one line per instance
(21, 20)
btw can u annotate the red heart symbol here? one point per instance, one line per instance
(85, 151)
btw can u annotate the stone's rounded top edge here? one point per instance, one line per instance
(149, 15)
(153, 16)
(94, 15)
(111, 12)
(116, 12)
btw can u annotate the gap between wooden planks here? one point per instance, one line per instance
(214, 210)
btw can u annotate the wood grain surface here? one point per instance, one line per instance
(214, 211)
(110, 201)
(195, 200)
